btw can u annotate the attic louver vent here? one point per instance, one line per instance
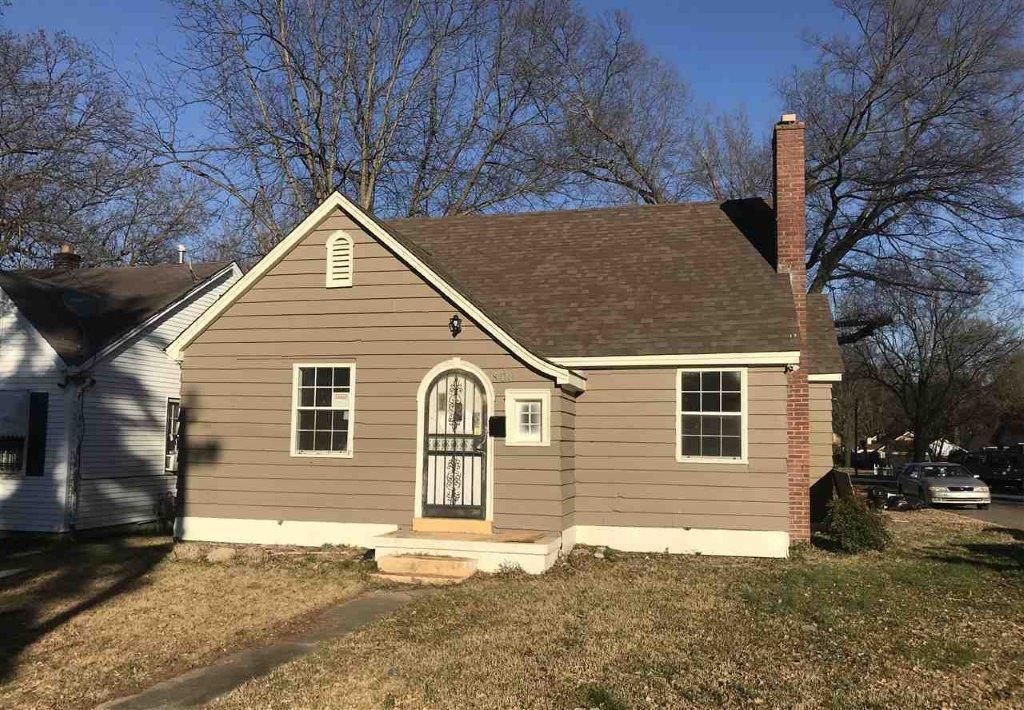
(339, 260)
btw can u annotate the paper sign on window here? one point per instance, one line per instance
(339, 400)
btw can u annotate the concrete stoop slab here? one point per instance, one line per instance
(532, 553)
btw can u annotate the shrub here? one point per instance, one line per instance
(855, 527)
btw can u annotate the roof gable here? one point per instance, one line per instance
(79, 312)
(415, 258)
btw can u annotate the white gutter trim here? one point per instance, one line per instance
(561, 375)
(830, 377)
(789, 357)
(84, 367)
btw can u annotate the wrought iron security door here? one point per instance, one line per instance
(455, 447)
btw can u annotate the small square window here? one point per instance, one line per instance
(528, 413)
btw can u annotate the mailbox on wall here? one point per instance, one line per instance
(496, 427)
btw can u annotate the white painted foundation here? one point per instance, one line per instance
(279, 532)
(737, 543)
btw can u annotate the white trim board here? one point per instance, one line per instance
(787, 357)
(737, 543)
(831, 377)
(560, 374)
(279, 532)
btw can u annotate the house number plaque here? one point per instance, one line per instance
(501, 375)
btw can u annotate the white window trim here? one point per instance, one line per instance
(351, 412)
(332, 281)
(744, 433)
(167, 401)
(512, 397)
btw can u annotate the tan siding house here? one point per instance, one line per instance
(493, 387)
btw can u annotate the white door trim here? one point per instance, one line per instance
(421, 395)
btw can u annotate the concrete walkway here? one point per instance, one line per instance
(202, 685)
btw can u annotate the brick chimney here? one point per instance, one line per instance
(790, 189)
(66, 258)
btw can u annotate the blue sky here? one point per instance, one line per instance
(730, 53)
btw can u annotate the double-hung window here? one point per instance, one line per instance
(323, 399)
(712, 415)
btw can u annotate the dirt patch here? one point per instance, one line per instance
(936, 620)
(99, 620)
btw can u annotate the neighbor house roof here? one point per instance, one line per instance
(81, 311)
(637, 280)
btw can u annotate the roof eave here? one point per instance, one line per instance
(116, 344)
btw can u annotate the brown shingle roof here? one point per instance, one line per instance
(635, 280)
(80, 311)
(823, 356)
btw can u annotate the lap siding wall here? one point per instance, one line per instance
(820, 401)
(626, 469)
(237, 391)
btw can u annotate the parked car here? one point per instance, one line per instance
(943, 483)
(1003, 467)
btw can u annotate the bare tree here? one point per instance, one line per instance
(914, 140)
(619, 116)
(71, 167)
(943, 349)
(730, 160)
(412, 107)
(915, 137)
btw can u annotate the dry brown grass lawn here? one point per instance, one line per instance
(937, 620)
(99, 620)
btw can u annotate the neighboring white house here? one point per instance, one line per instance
(88, 397)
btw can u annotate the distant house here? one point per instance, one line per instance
(88, 397)
(502, 387)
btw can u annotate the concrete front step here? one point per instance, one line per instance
(434, 580)
(455, 568)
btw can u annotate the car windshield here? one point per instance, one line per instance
(943, 471)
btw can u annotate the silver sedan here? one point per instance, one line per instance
(943, 483)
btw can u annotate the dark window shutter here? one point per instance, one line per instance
(38, 412)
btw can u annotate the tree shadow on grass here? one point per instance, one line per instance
(1006, 558)
(62, 581)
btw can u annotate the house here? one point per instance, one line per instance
(88, 397)
(503, 387)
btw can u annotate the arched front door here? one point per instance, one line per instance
(455, 447)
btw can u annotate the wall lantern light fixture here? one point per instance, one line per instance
(455, 325)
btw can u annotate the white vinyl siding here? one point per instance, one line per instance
(339, 260)
(123, 478)
(29, 364)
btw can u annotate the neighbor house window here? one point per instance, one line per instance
(528, 417)
(322, 412)
(23, 428)
(339, 260)
(172, 427)
(12, 454)
(711, 415)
